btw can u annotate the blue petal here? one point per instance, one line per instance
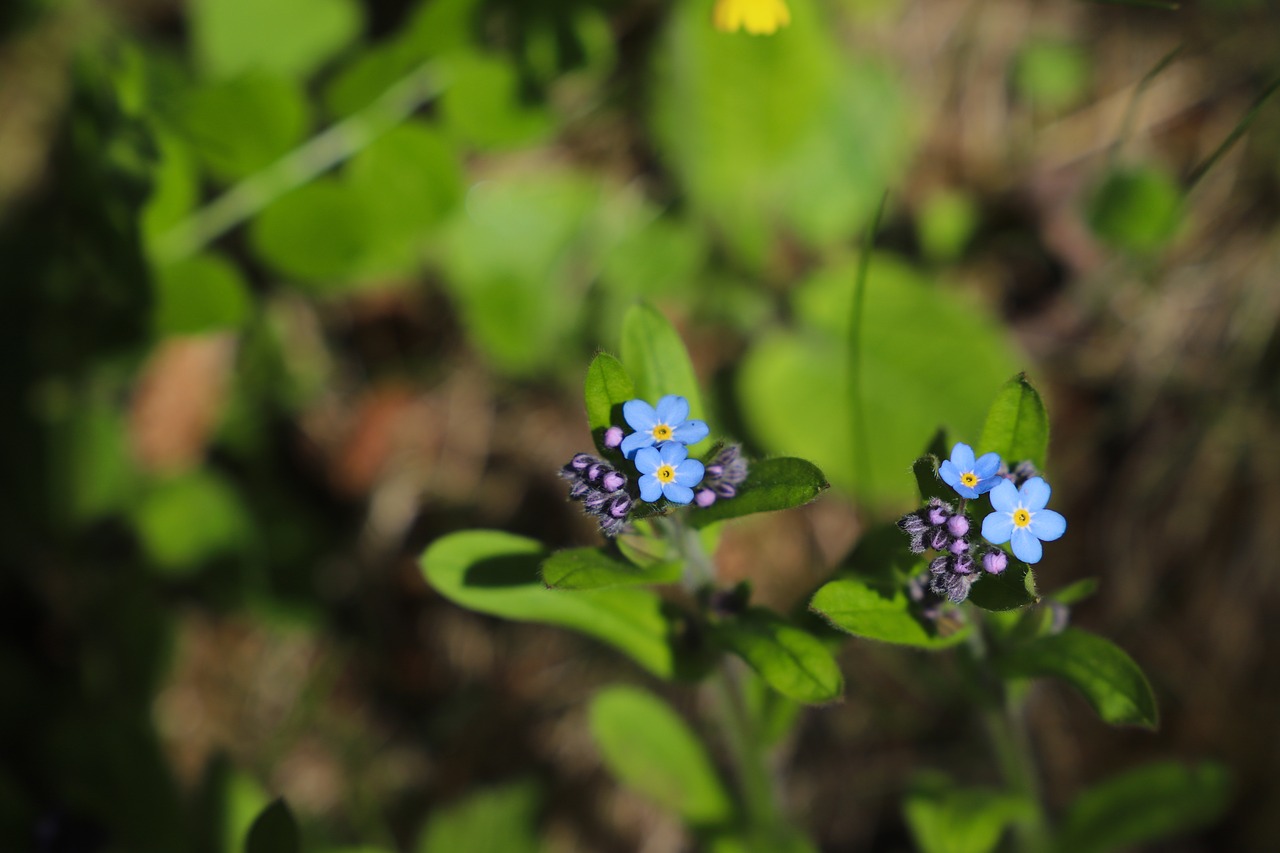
(1026, 547)
(949, 473)
(962, 456)
(672, 409)
(986, 485)
(677, 493)
(640, 415)
(634, 442)
(650, 488)
(1004, 497)
(997, 527)
(987, 465)
(691, 432)
(1047, 525)
(1034, 493)
(673, 452)
(648, 460)
(689, 472)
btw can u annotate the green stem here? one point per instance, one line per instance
(857, 409)
(305, 163)
(759, 800)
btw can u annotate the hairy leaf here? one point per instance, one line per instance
(596, 568)
(793, 661)
(771, 484)
(877, 614)
(1017, 425)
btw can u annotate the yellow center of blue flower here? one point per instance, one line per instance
(665, 473)
(969, 478)
(661, 432)
(1021, 517)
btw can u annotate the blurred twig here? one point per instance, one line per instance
(860, 456)
(317, 155)
(1126, 123)
(1200, 171)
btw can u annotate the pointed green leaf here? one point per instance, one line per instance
(498, 573)
(658, 362)
(771, 484)
(929, 484)
(596, 568)
(794, 662)
(608, 386)
(1108, 678)
(947, 819)
(1017, 425)
(1144, 805)
(1013, 588)
(649, 748)
(877, 614)
(273, 831)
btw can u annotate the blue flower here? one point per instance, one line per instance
(1020, 517)
(668, 422)
(668, 471)
(970, 477)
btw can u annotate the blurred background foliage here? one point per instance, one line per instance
(292, 288)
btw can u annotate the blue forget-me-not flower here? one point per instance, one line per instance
(1020, 518)
(667, 422)
(968, 476)
(667, 471)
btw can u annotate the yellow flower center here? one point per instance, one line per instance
(1021, 517)
(758, 17)
(661, 432)
(665, 473)
(969, 478)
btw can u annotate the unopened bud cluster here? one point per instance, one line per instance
(938, 526)
(602, 490)
(723, 476)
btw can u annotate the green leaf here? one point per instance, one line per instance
(761, 839)
(596, 568)
(240, 126)
(1017, 425)
(289, 37)
(877, 614)
(771, 484)
(498, 573)
(1138, 210)
(482, 105)
(649, 748)
(319, 233)
(203, 293)
(928, 483)
(190, 519)
(945, 818)
(658, 362)
(1052, 75)
(607, 387)
(1145, 805)
(274, 831)
(1108, 678)
(794, 662)
(497, 820)
(1013, 588)
(1076, 592)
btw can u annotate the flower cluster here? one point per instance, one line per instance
(1019, 518)
(602, 490)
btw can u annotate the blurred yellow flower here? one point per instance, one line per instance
(758, 17)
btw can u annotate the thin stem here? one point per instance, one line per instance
(759, 801)
(857, 409)
(699, 570)
(306, 162)
(1234, 136)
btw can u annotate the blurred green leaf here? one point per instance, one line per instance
(189, 519)
(649, 748)
(877, 614)
(1017, 425)
(1052, 75)
(1145, 805)
(947, 818)
(498, 573)
(1013, 588)
(928, 483)
(320, 233)
(771, 484)
(92, 461)
(794, 662)
(660, 257)
(773, 839)
(911, 377)
(175, 188)
(273, 831)
(946, 223)
(778, 130)
(287, 37)
(1138, 209)
(596, 568)
(498, 820)
(239, 126)
(482, 107)
(608, 386)
(1102, 671)
(203, 293)
(658, 362)
(1075, 593)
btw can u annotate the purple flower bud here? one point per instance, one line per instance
(995, 562)
(958, 546)
(619, 507)
(611, 527)
(962, 564)
(595, 472)
(957, 525)
(704, 498)
(912, 524)
(726, 490)
(595, 501)
(937, 539)
(957, 587)
(579, 490)
(937, 515)
(917, 544)
(938, 565)
(613, 481)
(714, 471)
(613, 437)
(581, 461)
